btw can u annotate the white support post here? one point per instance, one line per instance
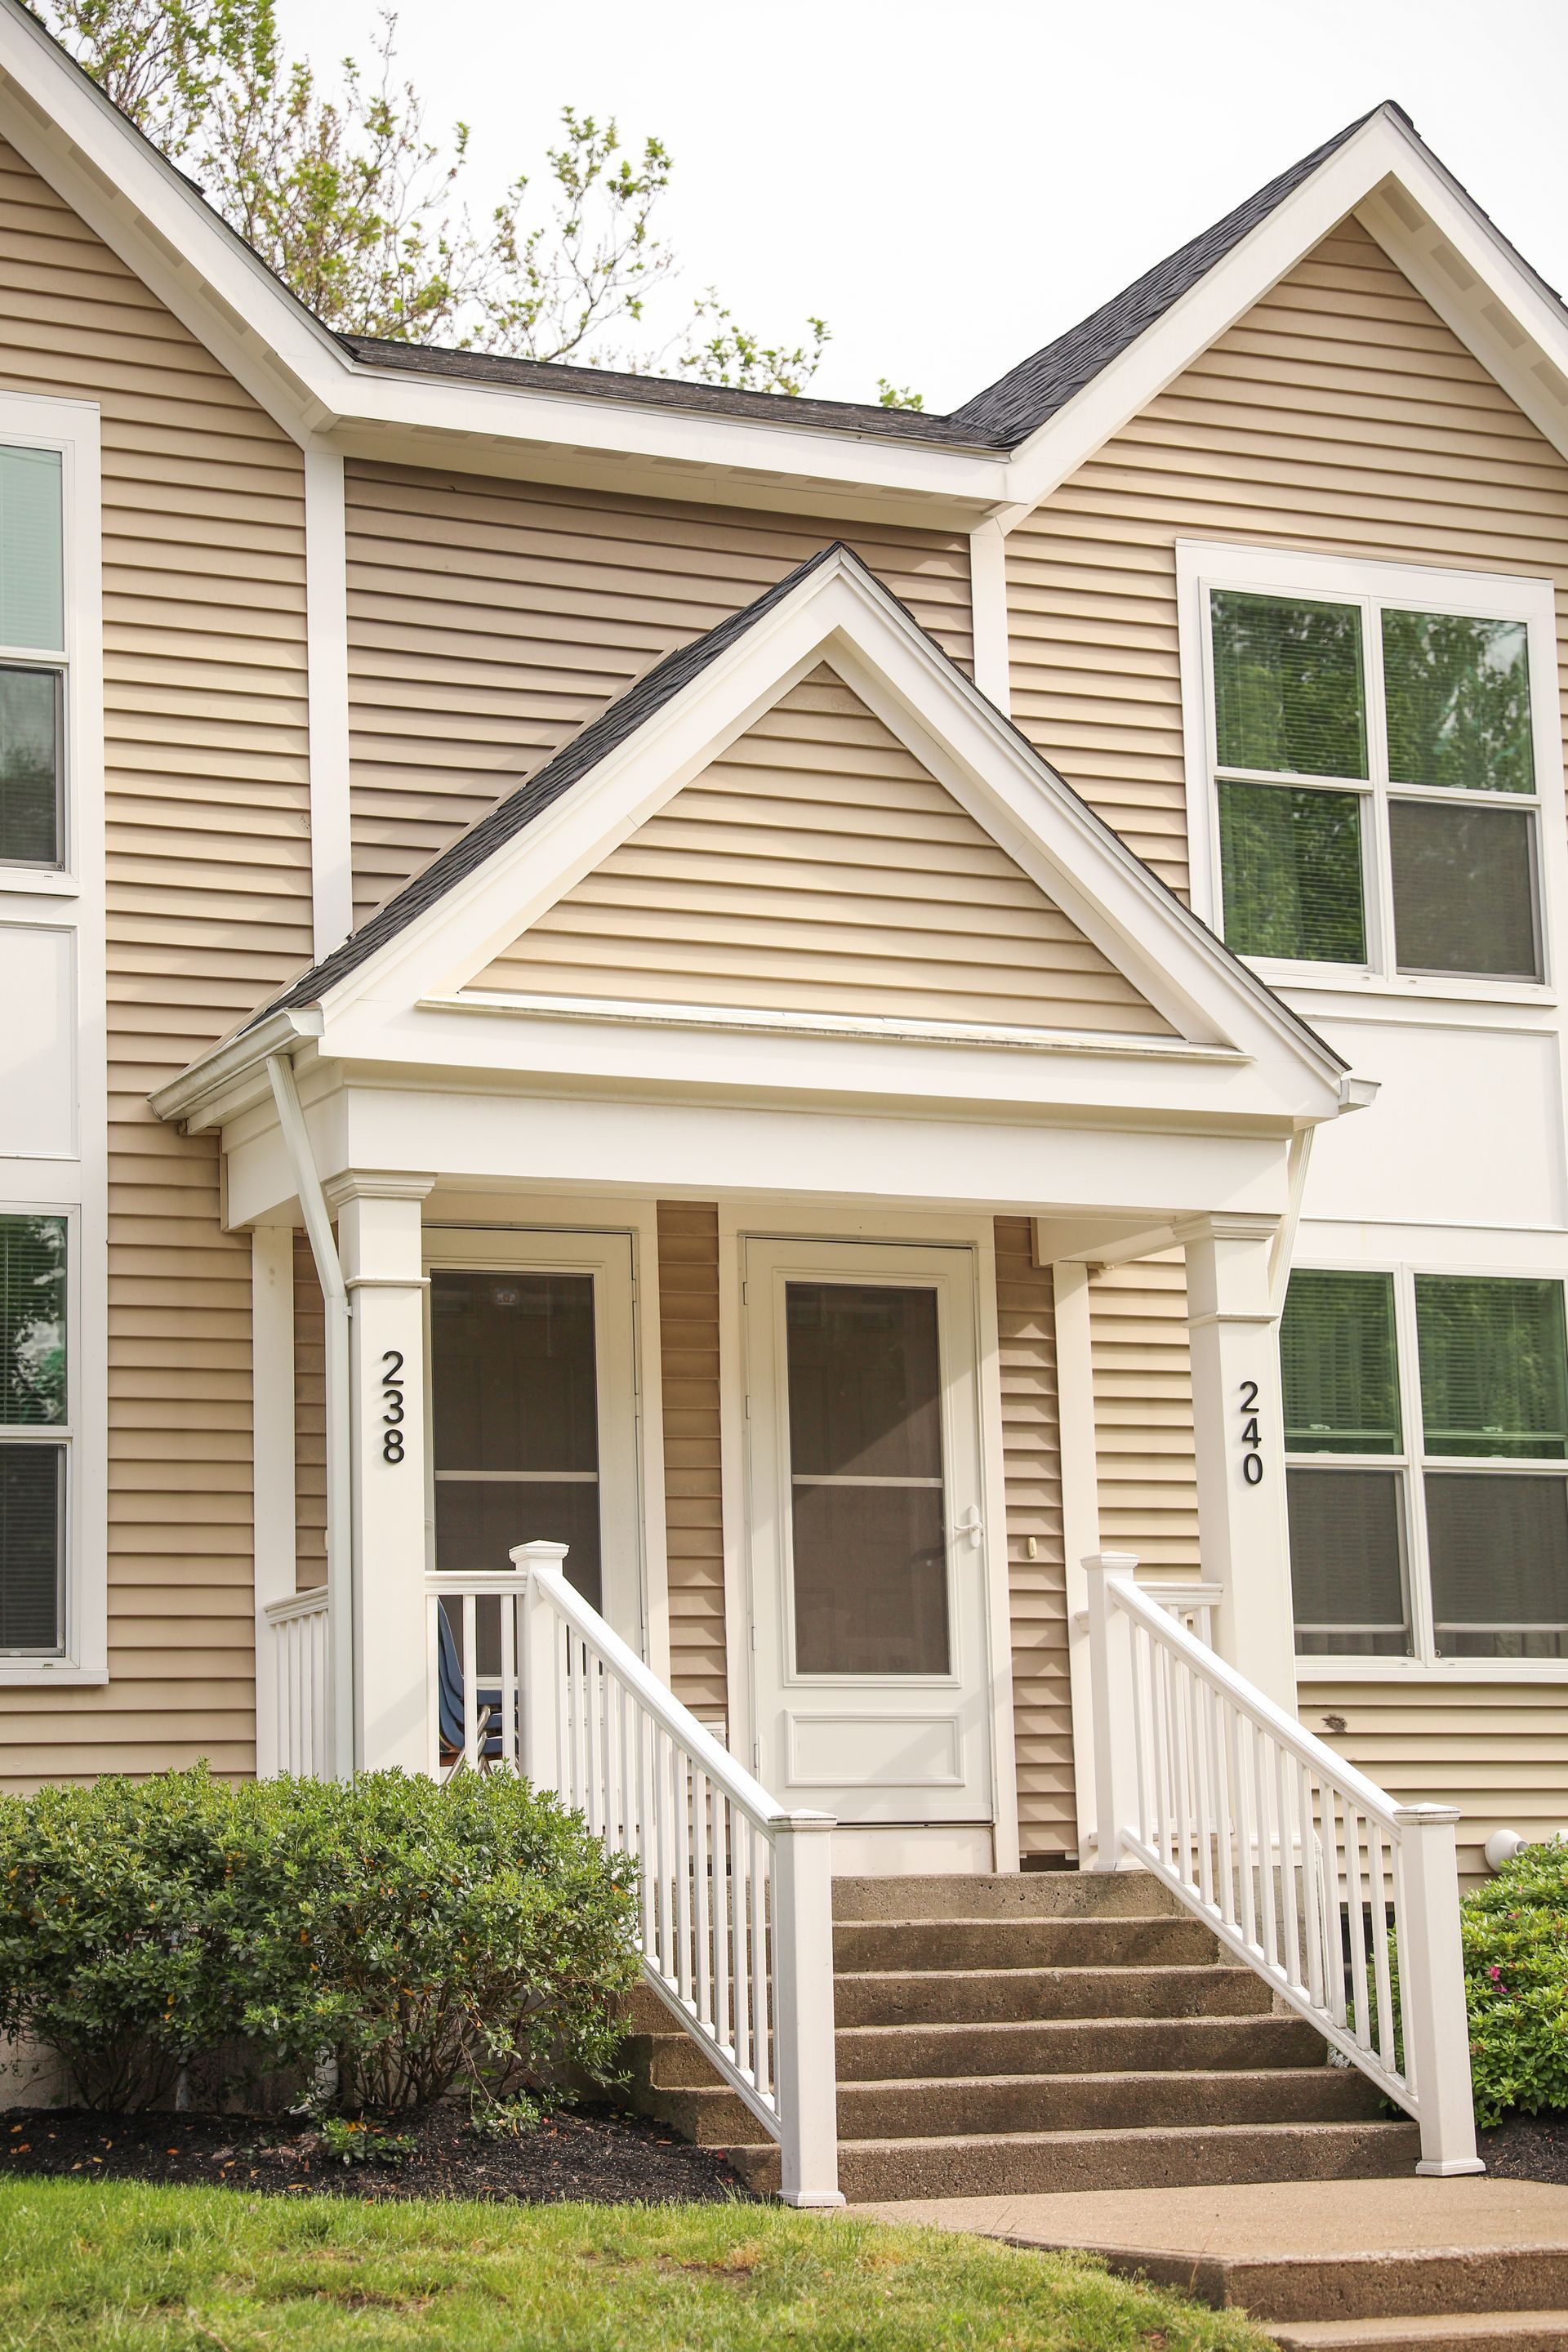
(1432, 1989)
(537, 1679)
(1110, 1681)
(1239, 1439)
(1080, 1513)
(805, 2067)
(379, 1243)
(272, 1455)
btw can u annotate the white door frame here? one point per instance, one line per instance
(608, 1258)
(740, 1221)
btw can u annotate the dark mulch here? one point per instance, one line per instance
(1528, 2148)
(595, 2154)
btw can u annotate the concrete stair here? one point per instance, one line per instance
(1044, 2033)
(1402, 2264)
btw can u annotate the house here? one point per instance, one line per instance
(775, 991)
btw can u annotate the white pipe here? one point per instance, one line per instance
(1285, 1239)
(1501, 1847)
(340, 1447)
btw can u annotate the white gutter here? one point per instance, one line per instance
(339, 1450)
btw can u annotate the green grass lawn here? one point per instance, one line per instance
(150, 2270)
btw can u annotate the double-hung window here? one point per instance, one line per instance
(1426, 1450)
(1370, 768)
(34, 1435)
(32, 659)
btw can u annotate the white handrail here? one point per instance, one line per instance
(1296, 1861)
(736, 1919)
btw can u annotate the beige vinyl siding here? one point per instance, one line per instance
(309, 1421)
(1495, 1749)
(489, 620)
(1340, 416)
(693, 1495)
(818, 868)
(1042, 1700)
(1143, 1413)
(209, 907)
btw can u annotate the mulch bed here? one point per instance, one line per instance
(600, 2155)
(1527, 2147)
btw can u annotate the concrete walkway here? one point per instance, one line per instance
(1323, 2262)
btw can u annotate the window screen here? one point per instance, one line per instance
(1339, 1360)
(32, 569)
(1464, 889)
(1288, 691)
(32, 615)
(33, 1402)
(1494, 1380)
(1347, 1563)
(1499, 1564)
(1291, 863)
(29, 766)
(1339, 1364)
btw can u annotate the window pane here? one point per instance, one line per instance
(1346, 1563)
(1457, 693)
(32, 1546)
(32, 596)
(870, 1580)
(32, 1320)
(1288, 691)
(1493, 1376)
(1339, 1364)
(864, 1394)
(1291, 869)
(1499, 1564)
(29, 767)
(1464, 889)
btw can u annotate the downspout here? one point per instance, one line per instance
(1284, 1248)
(340, 1452)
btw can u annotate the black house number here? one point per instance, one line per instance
(392, 1404)
(1251, 1454)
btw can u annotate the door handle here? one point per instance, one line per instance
(971, 1527)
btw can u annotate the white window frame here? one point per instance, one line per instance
(1410, 1466)
(1205, 566)
(72, 896)
(63, 1433)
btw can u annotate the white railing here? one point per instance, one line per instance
(735, 1921)
(1302, 1866)
(293, 1688)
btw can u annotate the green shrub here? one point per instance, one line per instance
(1516, 1973)
(418, 1937)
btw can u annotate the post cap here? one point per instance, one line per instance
(1114, 1563)
(539, 1555)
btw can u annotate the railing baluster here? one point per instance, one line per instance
(1291, 1922)
(470, 1680)
(721, 2027)
(1355, 1899)
(1332, 1914)
(1263, 1779)
(701, 1896)
(682, 1796)
(740, 1942)
(759, 1972)
(1201, 1733)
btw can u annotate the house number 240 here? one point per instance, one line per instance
(1251, 1457)
(392, 1404)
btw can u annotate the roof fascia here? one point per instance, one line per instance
(1382, 151)
(843, 615)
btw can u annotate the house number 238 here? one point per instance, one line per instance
(392, 1404)
(1251, 1457)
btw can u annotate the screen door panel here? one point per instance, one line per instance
(868, 1506)
(515, 1405)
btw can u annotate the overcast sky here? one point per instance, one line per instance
(951, 182)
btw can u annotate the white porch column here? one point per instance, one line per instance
(380, 1248)
(1239, 1437)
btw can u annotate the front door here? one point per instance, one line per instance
(533, 1407)
(866, 1540)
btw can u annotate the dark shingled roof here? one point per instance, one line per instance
(997, 419)
(591, 744)
(1020, 401)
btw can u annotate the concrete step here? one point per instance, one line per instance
(1519, 2331)
(1037, 2163)
(671, 2061)
(1033, 1894)
(902, 1996)
(1011, 2104)
(1416, 2285)
(1019, 1943)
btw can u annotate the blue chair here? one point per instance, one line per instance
(449, 1687)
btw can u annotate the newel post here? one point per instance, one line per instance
(806, 2070)
(1432, 2007)
(538, 1650)
(1111, 1687)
